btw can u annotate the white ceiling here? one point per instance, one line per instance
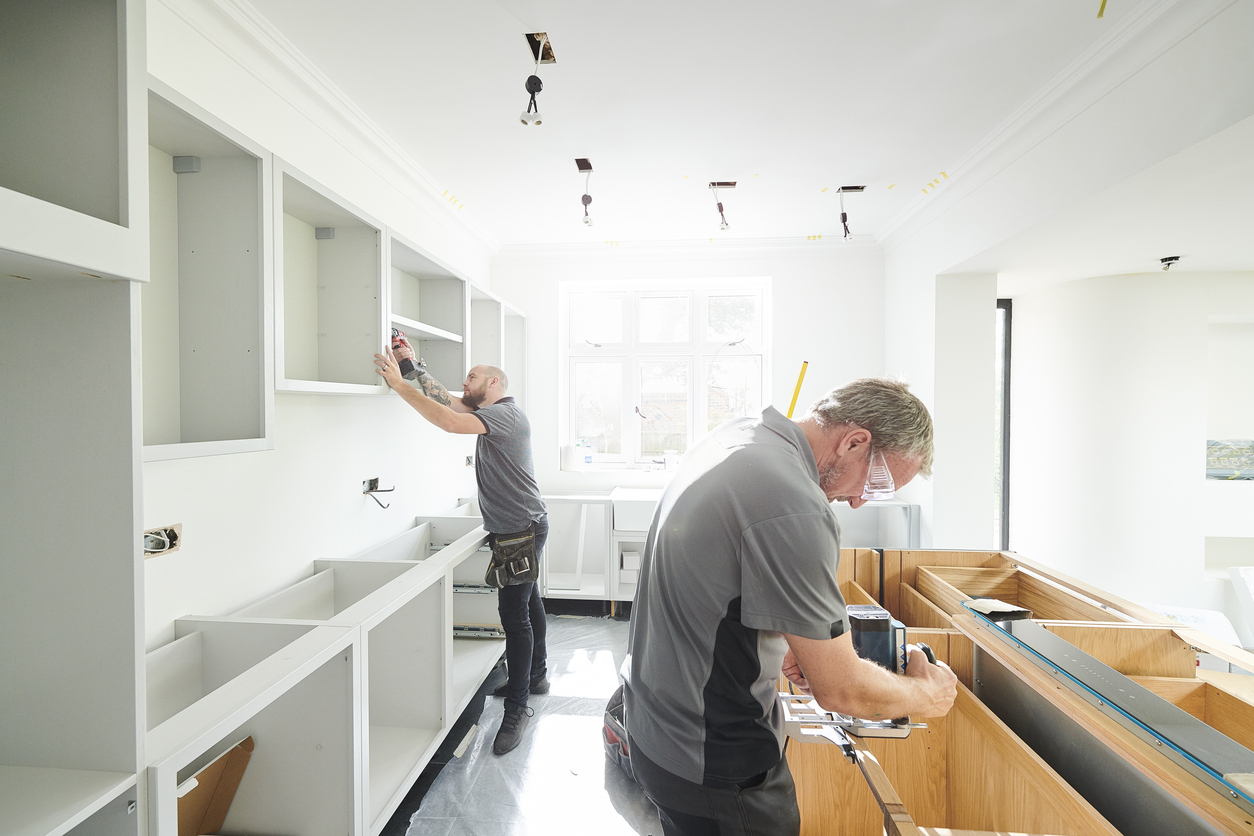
(788, 99)
(1196, 205)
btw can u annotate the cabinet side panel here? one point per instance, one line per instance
(68, 576)
(220, 299)
(300, 300)
(349, 313)
(161, 304)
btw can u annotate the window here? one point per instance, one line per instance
(651, 368)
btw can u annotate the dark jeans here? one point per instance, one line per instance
(522, 616)
(764, 805)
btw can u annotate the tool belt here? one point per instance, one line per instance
(514, 559)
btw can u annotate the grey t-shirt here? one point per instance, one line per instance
(743, 547)
(509, 497)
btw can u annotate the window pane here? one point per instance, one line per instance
(663, 319)
(663, 406)
(596, 318)
(733, 318)
(598, 393)
(733, 388)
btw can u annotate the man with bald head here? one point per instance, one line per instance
(509, 499)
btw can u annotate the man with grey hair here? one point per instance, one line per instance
(509, 499)
(738, 585)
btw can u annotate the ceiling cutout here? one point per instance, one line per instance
(534, 40)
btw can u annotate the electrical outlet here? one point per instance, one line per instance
(470, 461)
(158, 541)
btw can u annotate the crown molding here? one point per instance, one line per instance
(1148, 31)
(727, 247)
(264, 43)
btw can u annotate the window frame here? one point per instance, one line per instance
(697, 351)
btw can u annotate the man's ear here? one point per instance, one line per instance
(854, 439)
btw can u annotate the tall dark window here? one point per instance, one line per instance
(1002, 481)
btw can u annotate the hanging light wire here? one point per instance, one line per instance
(722, 218)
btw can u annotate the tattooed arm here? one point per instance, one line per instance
(435, 390)
(447, 417)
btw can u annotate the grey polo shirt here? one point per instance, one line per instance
(509, 496)
(743, 547)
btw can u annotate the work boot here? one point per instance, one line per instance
(539, 685)
(513, 724)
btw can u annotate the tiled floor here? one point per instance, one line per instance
(558, 781)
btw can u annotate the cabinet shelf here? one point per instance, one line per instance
(412, 327)
(472, 660)
(397, 756)
(36, 801)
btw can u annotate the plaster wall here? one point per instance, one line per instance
(1088, 132)
(1109, 423)
(254, 522)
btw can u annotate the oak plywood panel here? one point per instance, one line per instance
(1132, 650)
(997, 783)
(1186, 694)
(1048, 601)
(944, 595)
(916, 611)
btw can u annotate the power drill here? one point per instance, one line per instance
(880, 638)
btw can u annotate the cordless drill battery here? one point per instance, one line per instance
(877, 636)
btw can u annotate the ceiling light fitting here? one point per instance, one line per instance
(531, 116)
(842, 191)
(585, 166)
(715, 185)
(1169, 262)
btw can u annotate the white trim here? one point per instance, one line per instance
(1062, 99)
(282, 56)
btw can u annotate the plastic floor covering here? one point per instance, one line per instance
(558, 781)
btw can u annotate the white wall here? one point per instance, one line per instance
(827, 303)
(966, 502)
(1186, 76)
(1109, 419)
(253, 522)
(1230, 381)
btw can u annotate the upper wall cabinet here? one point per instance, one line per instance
(514, 351)
(498, 337)
(487, 328)
(328, 290)
(428, 303)
(72, 130)
(206, 368)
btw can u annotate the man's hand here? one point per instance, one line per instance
(389, 370)
(792, 670)
(938, 682)
(844, 683)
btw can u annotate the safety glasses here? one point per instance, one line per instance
(879, 481)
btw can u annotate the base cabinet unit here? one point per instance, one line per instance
(347, 681)
(576, 562)
(298, 705)
(1080, 713)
